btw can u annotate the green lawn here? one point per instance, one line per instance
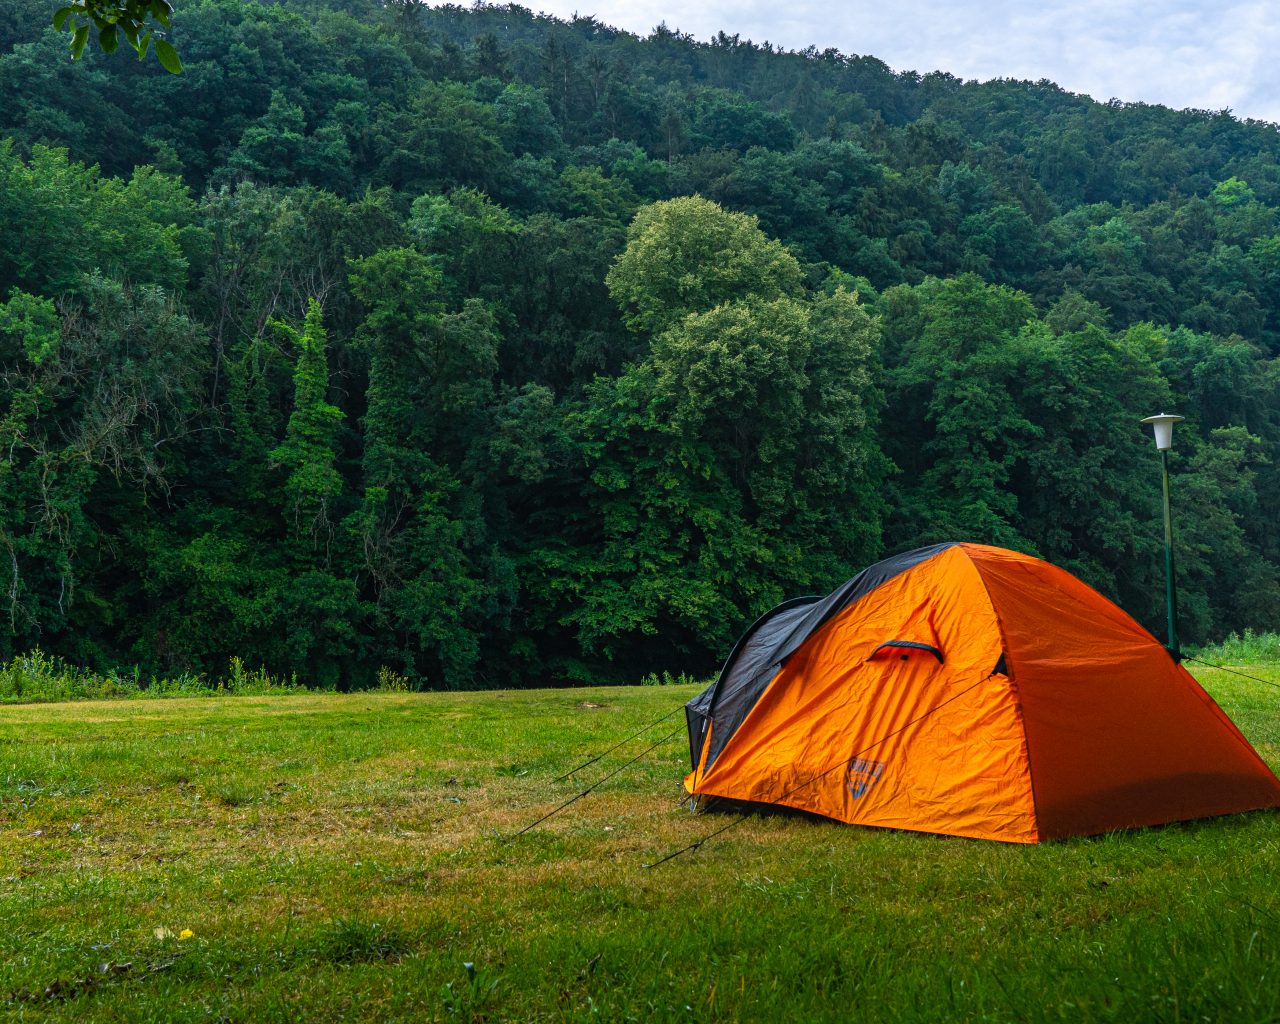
(339, 857)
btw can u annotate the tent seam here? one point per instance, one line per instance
(1014, 694)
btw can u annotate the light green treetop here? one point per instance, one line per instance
(688, 255)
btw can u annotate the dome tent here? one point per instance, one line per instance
(970, 691)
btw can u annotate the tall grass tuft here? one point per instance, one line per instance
(391, 681)
(667, 679)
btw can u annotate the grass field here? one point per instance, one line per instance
(333, 857)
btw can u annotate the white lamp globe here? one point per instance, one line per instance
(1163, 427)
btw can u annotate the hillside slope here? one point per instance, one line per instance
(478, 460)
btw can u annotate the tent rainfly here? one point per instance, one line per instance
(970, 691)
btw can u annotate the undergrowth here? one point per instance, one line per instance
(1237, 649)
(40, 678)
(36, 677)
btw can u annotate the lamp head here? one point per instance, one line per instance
(1163, 427)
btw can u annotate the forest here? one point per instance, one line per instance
(490, 349)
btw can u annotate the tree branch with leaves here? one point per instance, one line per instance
(133, 20)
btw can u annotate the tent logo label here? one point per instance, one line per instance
(862, 775)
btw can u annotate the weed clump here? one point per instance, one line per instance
(350, 940)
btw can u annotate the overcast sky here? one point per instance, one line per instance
(1182, 53)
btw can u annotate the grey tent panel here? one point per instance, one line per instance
(737, 690)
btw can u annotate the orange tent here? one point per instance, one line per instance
(971, 691)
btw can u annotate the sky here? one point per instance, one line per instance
(1181, 53)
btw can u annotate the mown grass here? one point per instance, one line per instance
(342, 857)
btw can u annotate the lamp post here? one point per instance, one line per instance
(1163, 427)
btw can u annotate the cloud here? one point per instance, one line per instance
(1178, 53)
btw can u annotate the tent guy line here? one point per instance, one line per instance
(1223, 668)
(842, 763)
(639, 732)
(595, 785)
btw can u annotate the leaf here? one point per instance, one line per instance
(78, 40)
(160, 10)
(142, 45)
(168, 57)
(60, 17)
(108, 39)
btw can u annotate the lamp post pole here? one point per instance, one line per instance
(1170, 591)
(1163, 427)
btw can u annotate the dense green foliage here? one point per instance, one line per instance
(494, 350)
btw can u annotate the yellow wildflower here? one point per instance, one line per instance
(186, 933)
